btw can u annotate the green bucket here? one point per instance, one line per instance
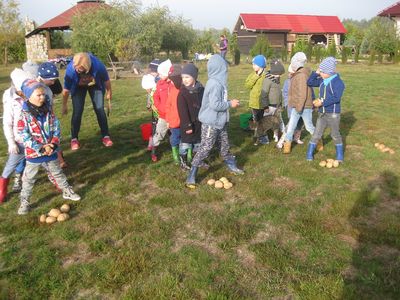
(244, 120)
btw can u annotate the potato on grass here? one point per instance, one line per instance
(330, 160)
(211, 181)
(224, 179)
(65, 208)
(381, 147)
(42, 218)
(219, 184)
(391, 151)
(54, 212)
(335, 164)
(62, 217)
(51, 220)
(322, 163)
(329, 164)
(377, 145)
(227, 185)
(386, 149)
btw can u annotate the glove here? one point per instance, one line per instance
(13, 148)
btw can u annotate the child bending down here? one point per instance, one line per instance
(40, 132)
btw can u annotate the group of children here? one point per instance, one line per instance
(197, 118)
(300, 101)
(33, 132)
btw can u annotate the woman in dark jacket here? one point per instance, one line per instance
(189, 103)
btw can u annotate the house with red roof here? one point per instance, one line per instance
(392, 12)
(38, 40)
(283, 31)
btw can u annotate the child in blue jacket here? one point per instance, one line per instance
(331, 89)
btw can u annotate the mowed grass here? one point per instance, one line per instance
(288, 229)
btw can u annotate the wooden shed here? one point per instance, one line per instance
(282, 31)
(392, 12)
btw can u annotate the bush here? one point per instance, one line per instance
(346, 51)
(237, 57)
(263, 47)
(331, 51)
(372, 55)
(319, 52)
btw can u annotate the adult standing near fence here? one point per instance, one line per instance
(87, 74)
(223, 45)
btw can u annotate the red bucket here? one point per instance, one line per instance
(147, 130)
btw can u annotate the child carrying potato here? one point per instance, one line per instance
(331, 89)
(40, 132)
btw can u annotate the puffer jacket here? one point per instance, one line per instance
(160, 97)
(300, 94)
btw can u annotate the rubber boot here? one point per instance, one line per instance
(231, 164)
(310, 151)
(183, 162)
(320, 145)
(61, 160)
(189, 155)
(154, 157)
(17, 186)
(191, 179)
(339, 152)
(287, 147)
(175, 154)
(3, 188)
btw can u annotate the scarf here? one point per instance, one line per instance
(37, 111)
(275, 79)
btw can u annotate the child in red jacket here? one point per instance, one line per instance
(160, 100)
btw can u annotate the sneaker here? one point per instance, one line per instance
(17, 183)
(276, 138)
(24, 208)
(75, 144)
(299, 142)
(154, 157)
(107, 141)
(68, 193)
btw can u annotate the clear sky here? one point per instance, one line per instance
(224, 13)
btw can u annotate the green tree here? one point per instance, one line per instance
(11, 31)
(262, 46)
(381, 36)
(99, 31)
(354, 37)
(204, 42)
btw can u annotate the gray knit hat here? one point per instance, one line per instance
(190, 69)
(328, 65)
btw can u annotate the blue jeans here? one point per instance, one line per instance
(175, 137)
(306, 115)
(15, 162)
(78, 104)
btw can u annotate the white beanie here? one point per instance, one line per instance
(164, 67)
(31, 67)
(18, 76)
(148, 82)
(298, 60)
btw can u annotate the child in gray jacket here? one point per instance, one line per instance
(214, 116)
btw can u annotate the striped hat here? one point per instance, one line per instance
(328, 65)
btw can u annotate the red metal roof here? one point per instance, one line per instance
(391, 11)
(293, 23)
(63, 20)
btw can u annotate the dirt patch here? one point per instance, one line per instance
(81, 255)
(246, 257)
(285, 182)
(351, 241)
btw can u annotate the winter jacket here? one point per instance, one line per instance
(97, 70)
(330, 94)
(254, 83)
(171, 110)
(285, 92)
(160, 97)
(300, 94)
(36, 134)
(189, 104)
(214, 109)
(271, 90)
(12, 107)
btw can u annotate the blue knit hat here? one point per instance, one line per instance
(48, 71)
(328, 65)
(260, 61)
(29, 85)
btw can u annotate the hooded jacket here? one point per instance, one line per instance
(36, 134)
(214, 109)
(160, 97)
(331, 94)
(300, 94)
(254, 83)
(171, 109)
(189, 104)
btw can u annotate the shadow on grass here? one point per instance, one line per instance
(375, 270)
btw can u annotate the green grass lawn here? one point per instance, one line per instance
(288, 229)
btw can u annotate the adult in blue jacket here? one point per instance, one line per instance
(86, 74)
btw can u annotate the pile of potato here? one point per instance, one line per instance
(329, 163)
(56, 215)
(383, 148)
(223, 182)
